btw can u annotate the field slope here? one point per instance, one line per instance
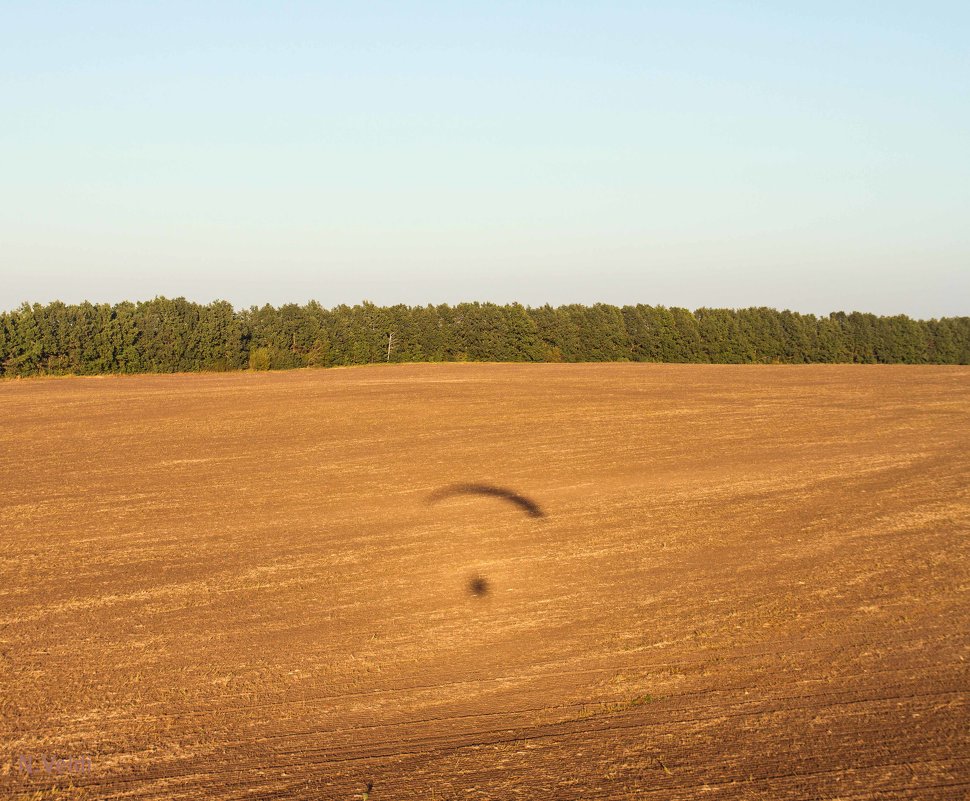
(748, 582)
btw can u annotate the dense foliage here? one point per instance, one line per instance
(164, 335)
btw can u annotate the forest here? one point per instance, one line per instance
(167, 335)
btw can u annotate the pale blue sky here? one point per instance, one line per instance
(813, 156)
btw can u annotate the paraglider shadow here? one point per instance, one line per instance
(529, 506)
(478, 585)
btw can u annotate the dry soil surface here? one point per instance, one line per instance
(748, 582)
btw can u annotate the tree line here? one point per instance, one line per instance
(175, 335)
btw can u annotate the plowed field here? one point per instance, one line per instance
(744, 582)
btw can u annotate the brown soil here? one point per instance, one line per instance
(749, 582)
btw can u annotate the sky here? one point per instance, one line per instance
(805, 155)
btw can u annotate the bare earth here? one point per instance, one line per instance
(750, 582)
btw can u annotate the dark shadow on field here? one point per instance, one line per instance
(529, 506)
